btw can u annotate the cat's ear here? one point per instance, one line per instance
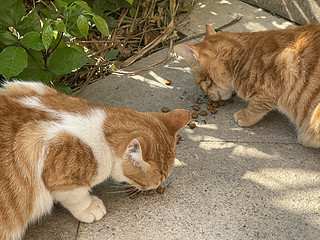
(209, 30)
(134, 153)
(175, 120)
(188, 52)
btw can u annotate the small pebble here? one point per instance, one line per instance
(165, 109)
(196, 107)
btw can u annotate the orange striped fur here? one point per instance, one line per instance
(276, 69)
(55, 147)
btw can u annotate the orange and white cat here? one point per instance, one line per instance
(55, 147)
(276, 69)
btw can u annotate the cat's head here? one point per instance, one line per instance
(149, 154)
(208, 60)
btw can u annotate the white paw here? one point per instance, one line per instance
(94, 212)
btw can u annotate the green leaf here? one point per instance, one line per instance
(35, 25)
(5, 4)
(12, 61)
(47, 36)
(77, 47)
(130, 1)
(32, 40)
(36, 58)
(84, 5)
(63, 4)
(61, 87)
(132, 12)
(53, 14)
(83, 25)
(112, 23)
(187, 8)
(35, 73)
(12, 16)
(7, 38)
(101, 24)
(60, 25)
(66, 60)
(112, 54)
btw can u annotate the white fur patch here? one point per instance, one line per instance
(87, 127)
(40, 88)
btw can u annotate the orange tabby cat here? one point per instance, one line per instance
(278, 69)
(56, 148)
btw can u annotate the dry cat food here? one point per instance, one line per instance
(160, 190)
(178, 138)
(145, 192)
(213, 111)
(230, 100)
(134, 195)
(215, 104)
(221, 103)
(165, 109)
(192, 125)
(203, 113)
(196, 107)
(210, 107)
(167, 82)
(194, 115)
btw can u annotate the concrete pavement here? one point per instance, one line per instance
(233, 184)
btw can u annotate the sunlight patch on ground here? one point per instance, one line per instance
(201, 5)
(282, 25)
(159, 83)
(225, 2)
(216, 145)
(294, 190)
(243, 151)
(281, 179)
(254, 26)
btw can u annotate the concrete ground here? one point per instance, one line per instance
(234, 183)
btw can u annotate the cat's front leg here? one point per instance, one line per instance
(83, 206)
(255, 111)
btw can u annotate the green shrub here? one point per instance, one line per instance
(33, 40)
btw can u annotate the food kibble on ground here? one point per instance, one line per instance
(165, 109)
(213, 111)
(221, 103)
(215, 104)
(192, 125)
(145, 192)
(230, 100)
(203, 113)
(194, 115)
(160, 190)
(196, 107)
(167, 82)
(178, 138)
(210, 107)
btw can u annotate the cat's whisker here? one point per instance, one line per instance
(120, 191)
